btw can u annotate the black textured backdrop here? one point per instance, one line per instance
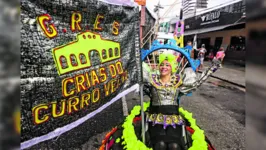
(75, 138)
(9, 73)
(40, 82)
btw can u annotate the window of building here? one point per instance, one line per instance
(116, 51)
(104, 54)
(110, 52)
(63, 62)
(230, 8)
(73, 60)
(226, 9)
(218, 42)
(238, 7)
(237, 43)
(235, 7)
(243, 7)
(82, 59)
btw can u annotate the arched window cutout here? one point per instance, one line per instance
(116, 51)
(82, 59)
(110, 52)
(104, 54)
(73, 60)
(63, 62)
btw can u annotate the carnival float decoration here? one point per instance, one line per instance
(168, 73)
(163, 112)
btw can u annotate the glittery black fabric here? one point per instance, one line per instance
(40, 82)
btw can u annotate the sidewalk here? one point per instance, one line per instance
(230, 73)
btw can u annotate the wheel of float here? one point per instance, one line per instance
(128, 135)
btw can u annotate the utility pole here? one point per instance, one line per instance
(157, 24)
(142, 3)
(142, 23)
(194, 44)
(157, 11)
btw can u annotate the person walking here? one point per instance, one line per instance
(201, 55)
(211, 55)
(190, 49)
(220, 55)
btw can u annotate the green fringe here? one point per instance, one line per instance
(131, 142)
(117, 140)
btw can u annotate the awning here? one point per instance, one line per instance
(205, 30)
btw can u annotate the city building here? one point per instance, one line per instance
(221, 26)
(190, 6)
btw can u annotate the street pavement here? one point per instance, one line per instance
(255, 110)
(218, 107)
(220, 112)
(230, 73)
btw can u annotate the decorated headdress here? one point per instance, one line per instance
(171, 58)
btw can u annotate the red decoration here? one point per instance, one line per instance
(141, 2)
(107, 136)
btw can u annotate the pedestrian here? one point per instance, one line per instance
(201, 55)
(220, 55)
(190, 49)
(211, 55)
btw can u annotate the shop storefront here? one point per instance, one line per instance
(222, 27)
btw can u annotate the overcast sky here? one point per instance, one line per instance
(176, 6)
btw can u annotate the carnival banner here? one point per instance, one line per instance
(77, 58)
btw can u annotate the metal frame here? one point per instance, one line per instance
(171, 45)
